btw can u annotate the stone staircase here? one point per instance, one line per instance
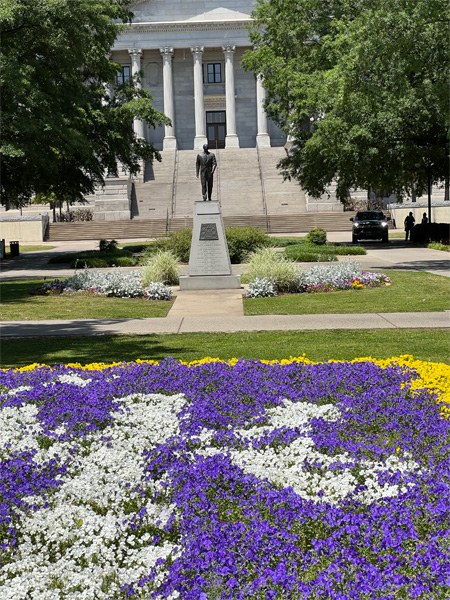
(151, 228)
(246, 182)
(153, 198)
(187, 187)
(239, 182)
(280, 197)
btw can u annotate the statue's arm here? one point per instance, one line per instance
(214, 163)
(197, 165)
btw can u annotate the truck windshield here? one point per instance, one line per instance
(370, 216)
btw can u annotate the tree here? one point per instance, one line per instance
(64, 121)
(361, 86)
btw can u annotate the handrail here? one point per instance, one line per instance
(263, 190)
(174, 183)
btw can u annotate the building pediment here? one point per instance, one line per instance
(162, 11)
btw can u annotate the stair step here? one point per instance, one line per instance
(151, 228)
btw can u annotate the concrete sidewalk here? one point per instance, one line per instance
(190, 324)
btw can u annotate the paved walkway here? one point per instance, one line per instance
(211, 324)
(222, 310)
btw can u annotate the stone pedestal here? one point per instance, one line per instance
(113, 200)
(209, 260)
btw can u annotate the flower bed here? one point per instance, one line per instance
(112, 284)
(246, 479)
(321, 278)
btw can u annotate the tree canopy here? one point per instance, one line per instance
(62, 125)
(361, 86)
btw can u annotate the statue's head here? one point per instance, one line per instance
(205, 148)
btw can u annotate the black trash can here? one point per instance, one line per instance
(2, 249)
(14, 248)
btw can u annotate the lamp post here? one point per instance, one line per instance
(429, 165)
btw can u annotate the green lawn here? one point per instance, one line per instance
(430, 345)
(18, 304)
(410, 291)
(35, 248)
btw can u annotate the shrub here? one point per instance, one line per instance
(161, 267)
(240, 240)
(313, 253)
(433, 232)
(115, 284)
(78, 214)
(105, 246)
(135, 248)
(91, 262)
(266, 263)
(244, 240)
(124, 261)
(438, 246)
(309, 253)
(350, 250)
(317, 236)
(179, 243)
(282, 242)
(260, 288)
(158, 291)
(318, 274)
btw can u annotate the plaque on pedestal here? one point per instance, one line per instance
(209, 259)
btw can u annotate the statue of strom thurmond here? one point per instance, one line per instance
(206, 165)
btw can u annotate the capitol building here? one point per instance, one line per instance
(189, 56)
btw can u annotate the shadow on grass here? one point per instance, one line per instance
(101, 348)
(429, 345)
(19, 291)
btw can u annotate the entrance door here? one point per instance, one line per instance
(216, 128)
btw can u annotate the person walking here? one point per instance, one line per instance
(409, 224)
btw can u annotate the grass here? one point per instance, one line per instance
(97, 258)
(438, 246)
(35, 248)
(134, 247)
(325, 252)
(18, 304)
(428, 345)
(410, 292)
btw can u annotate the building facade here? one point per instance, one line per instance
(190, 56)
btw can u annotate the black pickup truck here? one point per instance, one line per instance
(370, 225)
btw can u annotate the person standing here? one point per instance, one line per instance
(409, 224)
(205, 166)
(424, 219)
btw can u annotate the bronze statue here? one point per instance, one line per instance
(206, 165)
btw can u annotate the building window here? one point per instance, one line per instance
(123, 76)
(214, 73)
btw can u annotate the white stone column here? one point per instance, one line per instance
(136, 55)
(170, 141)
(200, 125)
(231, 139)
(262, 137)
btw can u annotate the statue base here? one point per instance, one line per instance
(210, 282)
(209, 259)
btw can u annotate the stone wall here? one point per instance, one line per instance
(440, 213)
(23, 229)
